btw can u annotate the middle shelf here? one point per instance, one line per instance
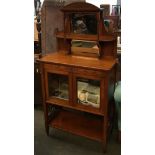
(105, 38)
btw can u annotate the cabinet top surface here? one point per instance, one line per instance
(77, 61)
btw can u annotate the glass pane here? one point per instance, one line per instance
(88, 92)
(58, 86)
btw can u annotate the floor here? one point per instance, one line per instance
(63, 143)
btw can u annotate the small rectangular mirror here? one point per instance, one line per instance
(83, 23)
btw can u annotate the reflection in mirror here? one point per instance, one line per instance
(84, 23)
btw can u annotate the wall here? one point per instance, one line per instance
(52, 18)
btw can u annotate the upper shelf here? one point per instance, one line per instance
(85, 37)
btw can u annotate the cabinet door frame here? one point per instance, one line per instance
(59, 72)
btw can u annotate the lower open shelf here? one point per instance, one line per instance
(79, 124)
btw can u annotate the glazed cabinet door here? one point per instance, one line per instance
(58, 82)
(88, 86)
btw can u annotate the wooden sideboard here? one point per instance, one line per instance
(78, 90)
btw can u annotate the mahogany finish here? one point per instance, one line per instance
(69, 115)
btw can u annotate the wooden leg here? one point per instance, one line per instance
(46, 119)
(104, 134)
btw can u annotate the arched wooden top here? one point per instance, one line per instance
(80, 7)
